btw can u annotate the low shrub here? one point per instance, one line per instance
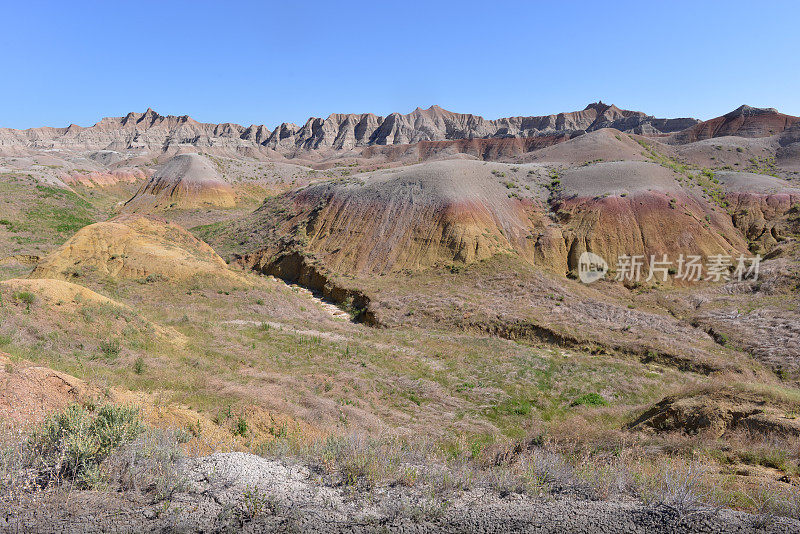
(110, 348)
(25, 297)
(72, 444)
(147, 465)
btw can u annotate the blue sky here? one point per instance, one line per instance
(270, 62)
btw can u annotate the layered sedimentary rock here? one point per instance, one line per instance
(147, 130)
(105, 179)
(744, 121)
(606, 144)
(492, 149)
(151, 131)
(461, 211)
(186, 181)
(764, 208)
(625, 208)
(340, 131)
(788, 152)
(409, 218)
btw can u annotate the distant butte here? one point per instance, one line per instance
(150, 130)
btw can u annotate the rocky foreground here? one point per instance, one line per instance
(247, 493)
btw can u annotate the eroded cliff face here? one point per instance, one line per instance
(151, 131)
(461, 212)
(340, 131)
(491, 149)
(766, 218)
(764, 208)
(412, 218)
(646, 223)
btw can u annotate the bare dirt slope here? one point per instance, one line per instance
(29, 393)
(36, 308)
(607, 144)
(137, 248)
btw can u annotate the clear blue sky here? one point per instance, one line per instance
(269, 62)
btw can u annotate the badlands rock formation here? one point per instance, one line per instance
(406, 218)
(151, 131)
(133, 247)
(187, 181)
(491, 149)
(105, 179)
(627, 207)
(744, 121)
(435, 124)
(763, 207)
(787, 153)
(606, 144)
(465, 211)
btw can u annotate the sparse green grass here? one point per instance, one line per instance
(110, 348)
(703, 179)
(444, 383)
(25, 297)
(37, 217)
(499, 386)
(139, 366)
(765, 165)
(71, 445)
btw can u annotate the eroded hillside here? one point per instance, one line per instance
(390, 307)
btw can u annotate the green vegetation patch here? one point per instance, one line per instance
(72, 444)
(590, 399)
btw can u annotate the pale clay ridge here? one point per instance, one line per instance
(149, 130)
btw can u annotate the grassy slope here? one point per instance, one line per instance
(304, 362)
(271, 346)
(35, 217)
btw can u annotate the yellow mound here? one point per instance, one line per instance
(134, 248)
(55, 304)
